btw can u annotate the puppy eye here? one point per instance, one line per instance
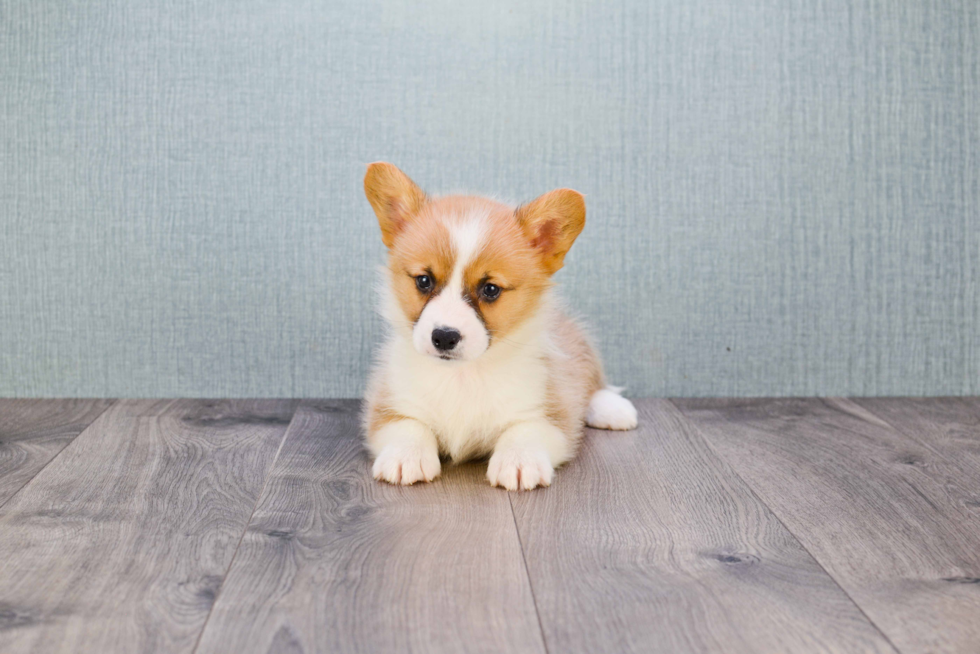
(490, 292)
(424, 283)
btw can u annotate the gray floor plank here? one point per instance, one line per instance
(947, 425)
(648, 542)
(120, 544)
(32, 432)
(334, 561)
(889, 518)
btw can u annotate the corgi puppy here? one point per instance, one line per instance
(480, 359)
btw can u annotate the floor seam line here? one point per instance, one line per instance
(238, 547)
(112, 403)
(771, 510)
(527, 573)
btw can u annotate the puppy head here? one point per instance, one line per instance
(465, 271)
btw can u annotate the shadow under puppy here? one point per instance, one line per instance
(479, 358)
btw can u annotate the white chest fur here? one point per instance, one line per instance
(468, 404)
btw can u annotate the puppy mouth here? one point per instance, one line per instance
(448, 357)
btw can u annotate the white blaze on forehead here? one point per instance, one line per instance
(468, 238)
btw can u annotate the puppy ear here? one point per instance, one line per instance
(551, 224)
(394, 197)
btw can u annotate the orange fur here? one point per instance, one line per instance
(552, 223)
(394, 197)
(575, 376)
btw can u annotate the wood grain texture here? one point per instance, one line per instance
(949, 426)
(33, 431)
(121, 543)
(647, 542)
(888, 518)
(336, 561)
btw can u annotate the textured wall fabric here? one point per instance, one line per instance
(784, 197)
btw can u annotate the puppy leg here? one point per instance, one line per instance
(526, 455)
(405, 452)
(610, 410)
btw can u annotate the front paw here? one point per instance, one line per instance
(406, 464)
(520, 468)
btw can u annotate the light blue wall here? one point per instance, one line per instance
(783, 196)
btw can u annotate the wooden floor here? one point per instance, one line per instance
(784, 525)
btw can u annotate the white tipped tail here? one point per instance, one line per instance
(610, 410)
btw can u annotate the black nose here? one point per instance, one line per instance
(445, 339)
